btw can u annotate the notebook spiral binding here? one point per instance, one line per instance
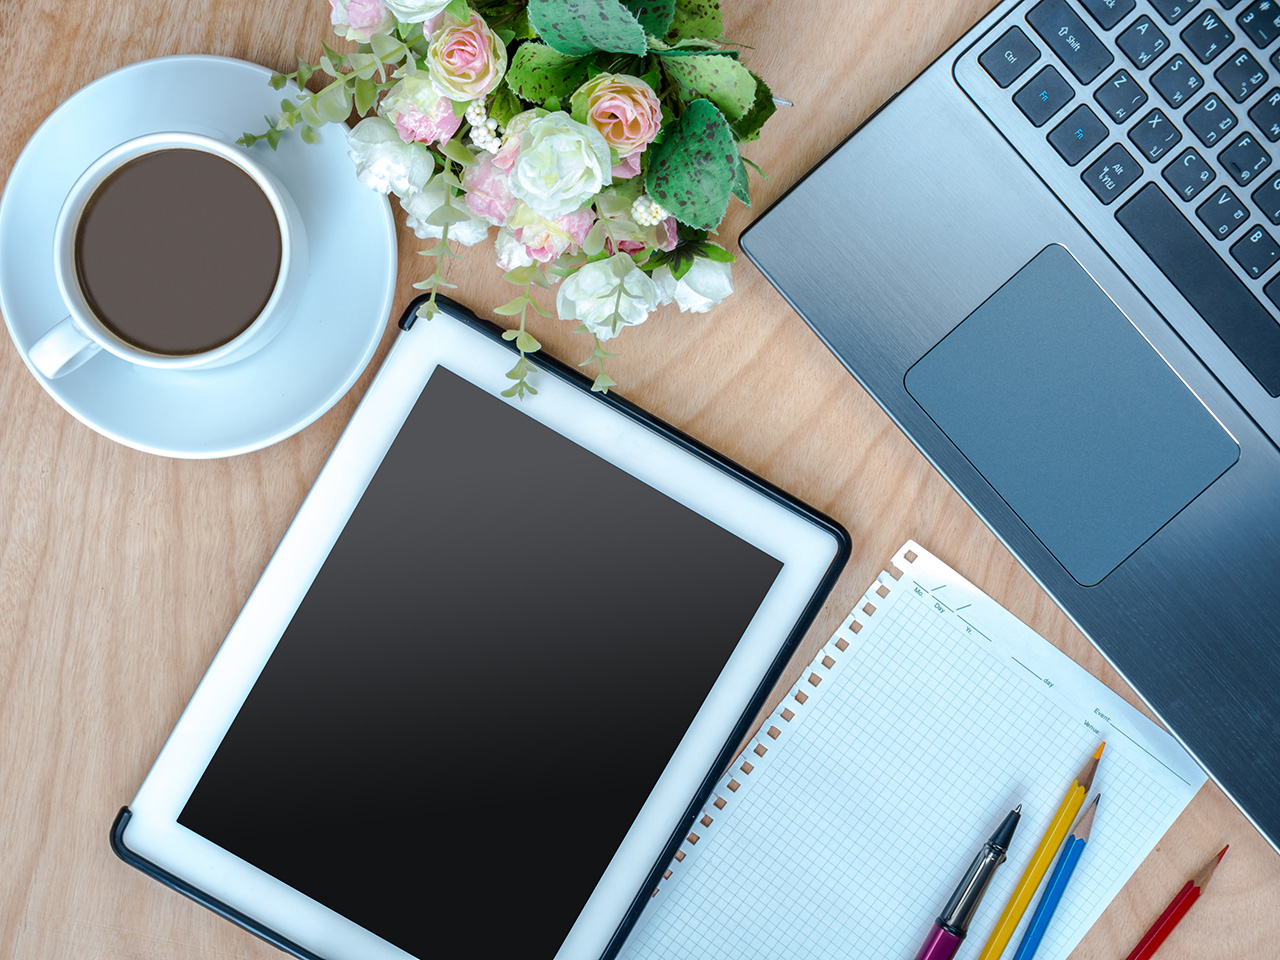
(772, 732)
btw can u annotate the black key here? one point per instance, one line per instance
(1173, 10)
(1045, 95)
(1266, 115)
(1207, 37)
(1177, 80)
(1154, 135)
(1008, 58)
(1209, 285)
(1112, 173)
(1222, 213)
(1120, 96)
(1142, 42)
(1189, 174)
(1108, 12)
(1070, 38)
(1241, 75)
(1210, 119)
(1228, 4)
(1267, 197)
(1261, 21)
(1256, 251)
(1244, 159)
(1075, 137)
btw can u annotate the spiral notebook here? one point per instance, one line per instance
(844, 825)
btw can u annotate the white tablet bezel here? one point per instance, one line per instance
(807, 551)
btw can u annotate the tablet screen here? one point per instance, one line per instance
(481, 686)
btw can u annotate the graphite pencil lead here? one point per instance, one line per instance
(1202, 878)
(1085, 823)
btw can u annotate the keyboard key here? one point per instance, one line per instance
(1045, 95)
(1108, 12)
(1120, 96)
(1154, 135)
(1241, 75)
(1112, 173)
(1266, 114)
(1177, 80)
(1261, 21)
(1070, 38)
(1272, 290)
(1009, 57)
(1222, 213)
(1173, 10)
(1204, 278)
(1142, 42)
(1189, 174)
(1267, 197)
(1244, 158)
(1075, 137)
(1210, 119)
(1256, 251)
(1208, 37)
(1228, 4)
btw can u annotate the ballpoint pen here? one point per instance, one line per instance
(953, 923)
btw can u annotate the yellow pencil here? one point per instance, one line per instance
(1041, 860)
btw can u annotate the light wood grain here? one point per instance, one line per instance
(121, 572)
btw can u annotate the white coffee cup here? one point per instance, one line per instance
(81, 335)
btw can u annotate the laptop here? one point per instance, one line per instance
(1054, 260)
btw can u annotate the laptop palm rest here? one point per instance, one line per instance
(1071, 416)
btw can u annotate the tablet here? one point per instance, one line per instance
(488, 677)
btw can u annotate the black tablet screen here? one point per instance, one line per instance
(482, 685)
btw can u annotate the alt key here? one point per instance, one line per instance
(1112, 173)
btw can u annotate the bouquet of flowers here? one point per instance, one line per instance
(601, 138)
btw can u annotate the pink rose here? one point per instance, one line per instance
(624, 109)
(489, 191)
(435, 126)
(359, 20)
(666, 234)
(466, 60)
(544, 240)
(628, 168)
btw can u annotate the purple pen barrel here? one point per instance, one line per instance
(939, 945)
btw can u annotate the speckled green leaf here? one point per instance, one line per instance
(747, 127)
(722, 80)
(579, 27)
(654, 15)
(741, 189)
(693, 170)
(696, 18)
(538, 73)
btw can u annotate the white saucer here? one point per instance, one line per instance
(315, 359)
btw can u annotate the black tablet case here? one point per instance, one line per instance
(741, 729)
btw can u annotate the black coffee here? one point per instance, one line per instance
(177, 251)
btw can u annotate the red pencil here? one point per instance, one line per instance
(1176, 910)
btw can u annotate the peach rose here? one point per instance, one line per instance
(624, 109)
(466, 60)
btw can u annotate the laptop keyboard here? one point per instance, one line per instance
(1168, 111)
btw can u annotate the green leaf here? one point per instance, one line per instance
(693, 170)
(305, 70)
(364, 65)
(747, 127)
(511, 309)
(277, 81)
(594, 241)
(579, 27)
(722, 80)
(442, 216)
(521, 275)
(248, 140)
(527, 343)
(511, 335)
(387, 48)
(603, 383)
(310, 134)
(719, 254)
(459, 9)
(538, 72)
(741, 189)
(366, 93)
(460, 107)
(273, 137)
(454, 150)
(696, 18)
(654, 15)
(333, 103)
(505, 105)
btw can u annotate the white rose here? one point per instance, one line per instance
(421, 204)
(607, 295)
(511, 252)
(562, 165)
(415, 11)
(358, 20)
(706, 284)
(386, 163)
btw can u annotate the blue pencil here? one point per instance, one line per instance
(1067, 860)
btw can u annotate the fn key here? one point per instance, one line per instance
(1075, 137)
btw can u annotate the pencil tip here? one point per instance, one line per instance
(1018, 809)
(1096, 798)
(1223, 851)
(1098, 755)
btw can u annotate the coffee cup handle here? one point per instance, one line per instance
(62, 349)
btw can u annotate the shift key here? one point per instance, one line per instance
(1070, 38)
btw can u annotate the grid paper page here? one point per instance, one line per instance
(845, 825)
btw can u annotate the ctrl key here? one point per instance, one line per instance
(1112, 173)
(1009, 57)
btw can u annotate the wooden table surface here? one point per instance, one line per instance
(121, 572)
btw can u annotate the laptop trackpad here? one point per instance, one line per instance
(1071, 415)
